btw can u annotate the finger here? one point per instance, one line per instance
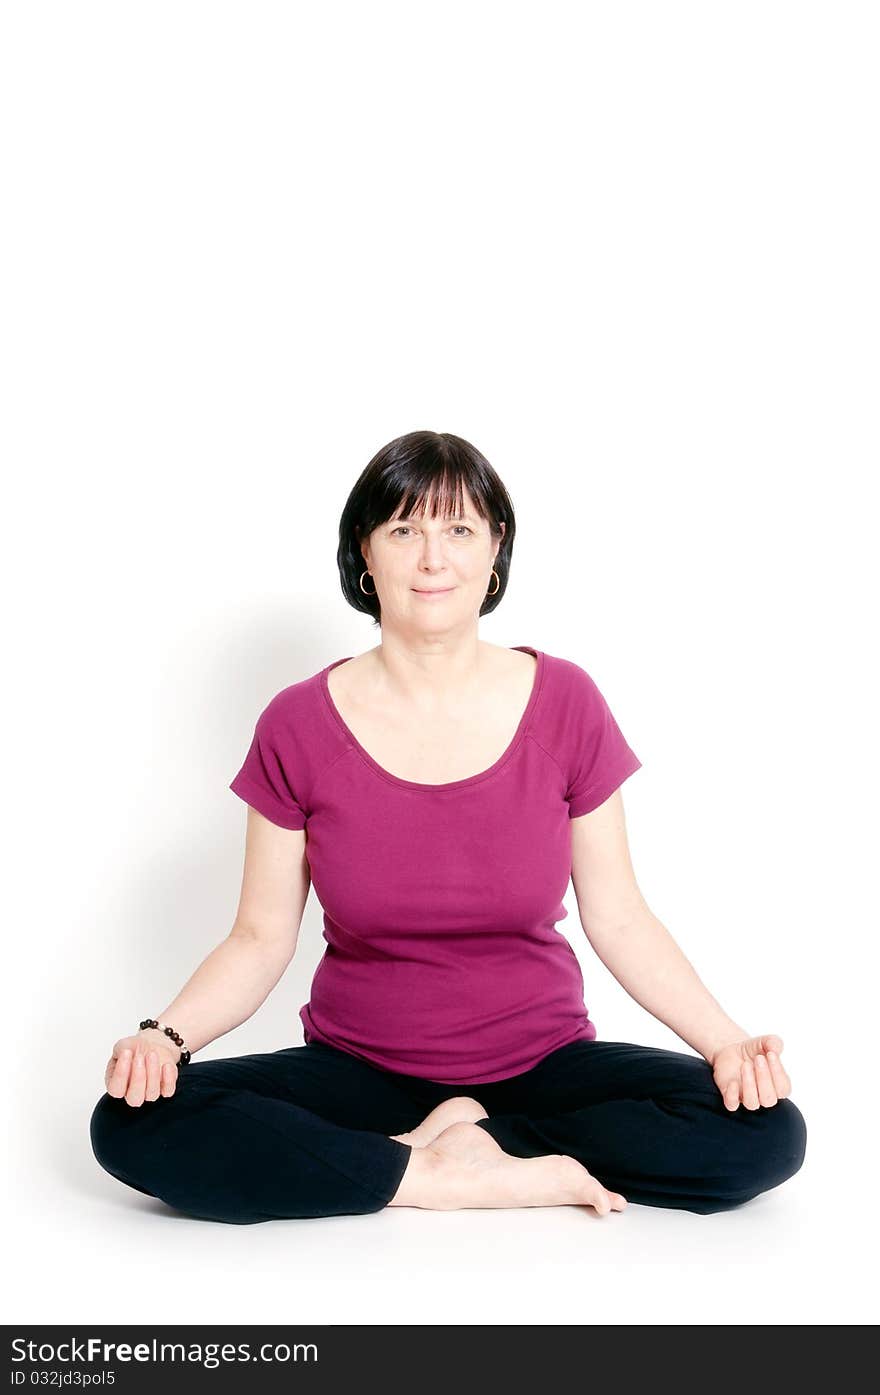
(168, 1078)
(731, 1095)
(137, 1083)
(766, 1089)
(153, 1068)
(119, 1077)
(781, 1082)
(749, 1087)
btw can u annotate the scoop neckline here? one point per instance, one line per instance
(448, 784)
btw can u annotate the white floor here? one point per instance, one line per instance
(84, 1248)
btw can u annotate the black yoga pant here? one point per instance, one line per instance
(303, 1132)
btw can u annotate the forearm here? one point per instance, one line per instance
(647, 962)
(225, 990)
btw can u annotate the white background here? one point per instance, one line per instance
(630, 252)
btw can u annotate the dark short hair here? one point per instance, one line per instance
(411, 470)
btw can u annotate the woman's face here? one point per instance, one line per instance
(411, 558)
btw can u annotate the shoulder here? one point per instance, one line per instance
(568, 684)
(290, 705)
(580, 731)
(296, 717)
(572, 709)
(294, 735)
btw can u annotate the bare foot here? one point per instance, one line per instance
(465, 1167)
(461, 1109)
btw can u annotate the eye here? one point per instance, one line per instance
(402, 528)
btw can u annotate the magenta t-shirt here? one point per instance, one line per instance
(441, 901)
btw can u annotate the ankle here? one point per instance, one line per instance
(419, 1183)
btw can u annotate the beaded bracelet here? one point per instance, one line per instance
(169, 1032)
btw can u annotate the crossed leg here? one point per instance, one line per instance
(460, 1109)
(454, 1165)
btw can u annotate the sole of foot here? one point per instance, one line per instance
(472, 1170)
(459, 1110)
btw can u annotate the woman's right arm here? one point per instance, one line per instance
(238, 975)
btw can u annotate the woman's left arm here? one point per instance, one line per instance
(644, 958)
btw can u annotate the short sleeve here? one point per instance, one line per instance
(600, 759)
(267, 780)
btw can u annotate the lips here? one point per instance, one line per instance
(438, 590)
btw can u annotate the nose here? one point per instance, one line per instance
(431, 562)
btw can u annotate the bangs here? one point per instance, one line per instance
(437, 496)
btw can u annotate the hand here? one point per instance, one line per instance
(141, 1068)
(751, 1069)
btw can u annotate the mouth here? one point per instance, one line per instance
(439, 591)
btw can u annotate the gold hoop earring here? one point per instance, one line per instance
(361, 584)
(498, 587)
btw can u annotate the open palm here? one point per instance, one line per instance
(751, 1072)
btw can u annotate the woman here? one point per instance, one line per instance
(439, 792)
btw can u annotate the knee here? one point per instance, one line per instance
(778, 1148)
(786, 1147)
(770, 1150)
(131, 1143)
(123, 1135)
(106, 1130)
